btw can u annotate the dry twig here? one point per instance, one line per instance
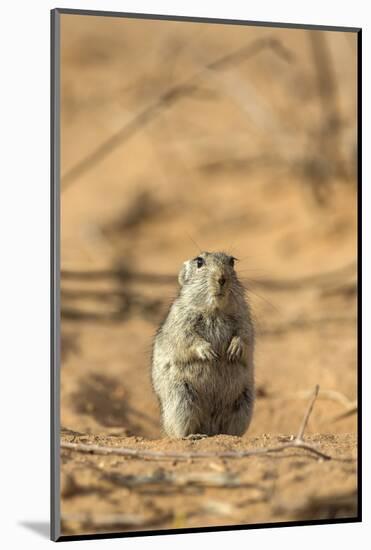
(176, 479)
(306, 324)
(167, 99)
(350, 406)
(345, 414)
(298, 442)
(115, 521)
(323, 280)
(333, 395)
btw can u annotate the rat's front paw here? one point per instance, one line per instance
(235, 349)
(205, 352)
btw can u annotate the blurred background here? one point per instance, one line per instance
(181, 136)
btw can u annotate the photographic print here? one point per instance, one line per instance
(205, 197)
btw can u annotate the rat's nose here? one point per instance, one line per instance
(221, 280)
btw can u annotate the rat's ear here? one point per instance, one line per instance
(184, 273)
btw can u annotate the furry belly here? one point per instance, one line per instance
(220, 401)
(219, 381)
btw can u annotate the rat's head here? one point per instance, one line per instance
(210, 279)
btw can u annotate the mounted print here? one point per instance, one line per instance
(205, 210)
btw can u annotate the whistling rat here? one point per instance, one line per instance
(202, 363)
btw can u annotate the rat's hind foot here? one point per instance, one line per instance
(194, 437)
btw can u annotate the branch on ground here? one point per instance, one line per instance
(297, 442)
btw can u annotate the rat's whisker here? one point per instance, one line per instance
(249, 290)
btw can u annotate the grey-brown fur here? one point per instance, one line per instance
(202, 367)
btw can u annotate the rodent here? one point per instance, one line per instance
(202, 359)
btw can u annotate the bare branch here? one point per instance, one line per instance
(298, 442)
(352, 410)
(305, 324)
(154, 455)
(304, 424)
(325, 279)
(332, 395)
(175, 479)
(166, 100)
(116, 521)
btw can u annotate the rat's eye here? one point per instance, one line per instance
(200, 261)
(231, 261)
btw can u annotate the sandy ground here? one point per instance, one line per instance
(195, 172)
(113, 493)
